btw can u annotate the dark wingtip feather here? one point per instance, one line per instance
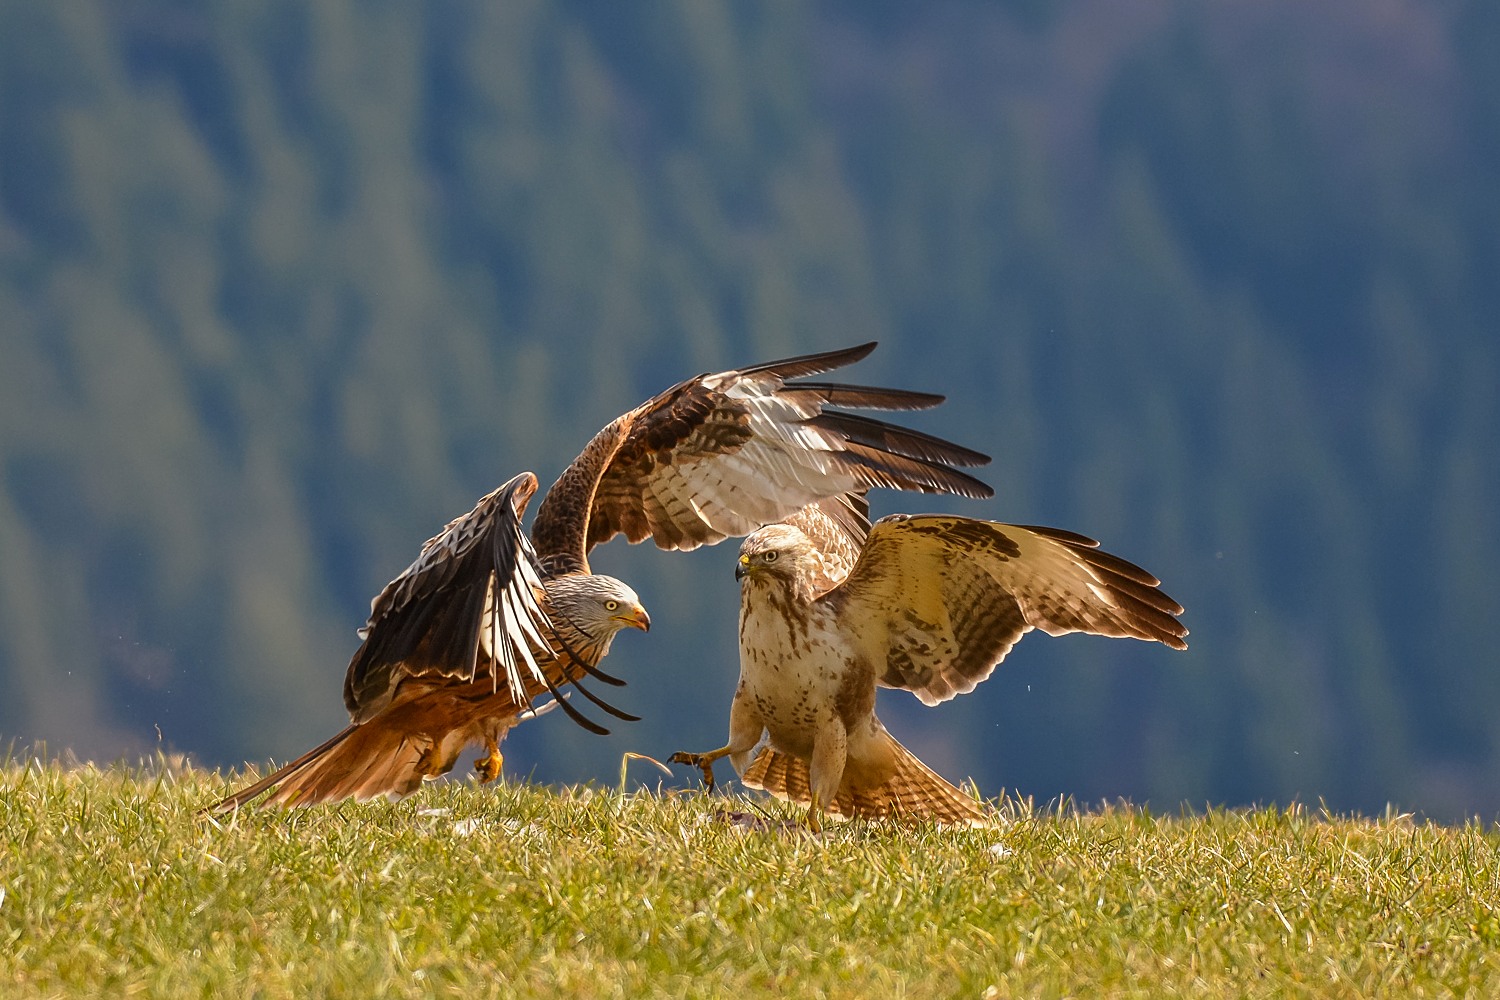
(592, 671)
(570, 711)
(865, 397)
(812, 364)
(905, 473)
(606, 706)
(898, 440)
(1154, 610)
(1064, 535)
(604, 676)
(1103, 560)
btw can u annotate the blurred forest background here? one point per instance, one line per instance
(286, 286)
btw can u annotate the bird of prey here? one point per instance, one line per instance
(931, 604)
(486, 620)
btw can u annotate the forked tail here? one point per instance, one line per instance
(913, 792)
(362, 762)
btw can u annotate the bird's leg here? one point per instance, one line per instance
(745, 727)
(703, 761)
(814, 815)
(489, 765)
(431, 763)
(825, 772)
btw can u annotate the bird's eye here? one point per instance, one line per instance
(611, 605)
(771, 556)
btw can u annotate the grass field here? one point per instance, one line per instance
(110, 884)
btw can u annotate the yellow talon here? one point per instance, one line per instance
(814, 820)
(702, 761)
(428, 765)
(489, 765)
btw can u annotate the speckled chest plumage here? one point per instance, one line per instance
(796, 670)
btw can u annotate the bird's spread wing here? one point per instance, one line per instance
(469, 605)
(940, 600)
(720, 455)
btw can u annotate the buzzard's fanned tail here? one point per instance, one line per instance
(913, 792)
(917, 791)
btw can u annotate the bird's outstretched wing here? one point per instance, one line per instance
(720, 455)
(939, 601)
(469, 605)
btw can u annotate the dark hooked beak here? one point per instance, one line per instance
(742, 568)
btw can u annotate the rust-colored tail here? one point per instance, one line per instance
(419, 735)
(361, 762)
(913, 792)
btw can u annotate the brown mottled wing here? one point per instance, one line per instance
(469, 605)
(941, 600)
(721, 455)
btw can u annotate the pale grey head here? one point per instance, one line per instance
(589, 609)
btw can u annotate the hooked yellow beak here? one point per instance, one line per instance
(636, 617)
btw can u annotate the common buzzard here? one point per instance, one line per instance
(932, 604)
